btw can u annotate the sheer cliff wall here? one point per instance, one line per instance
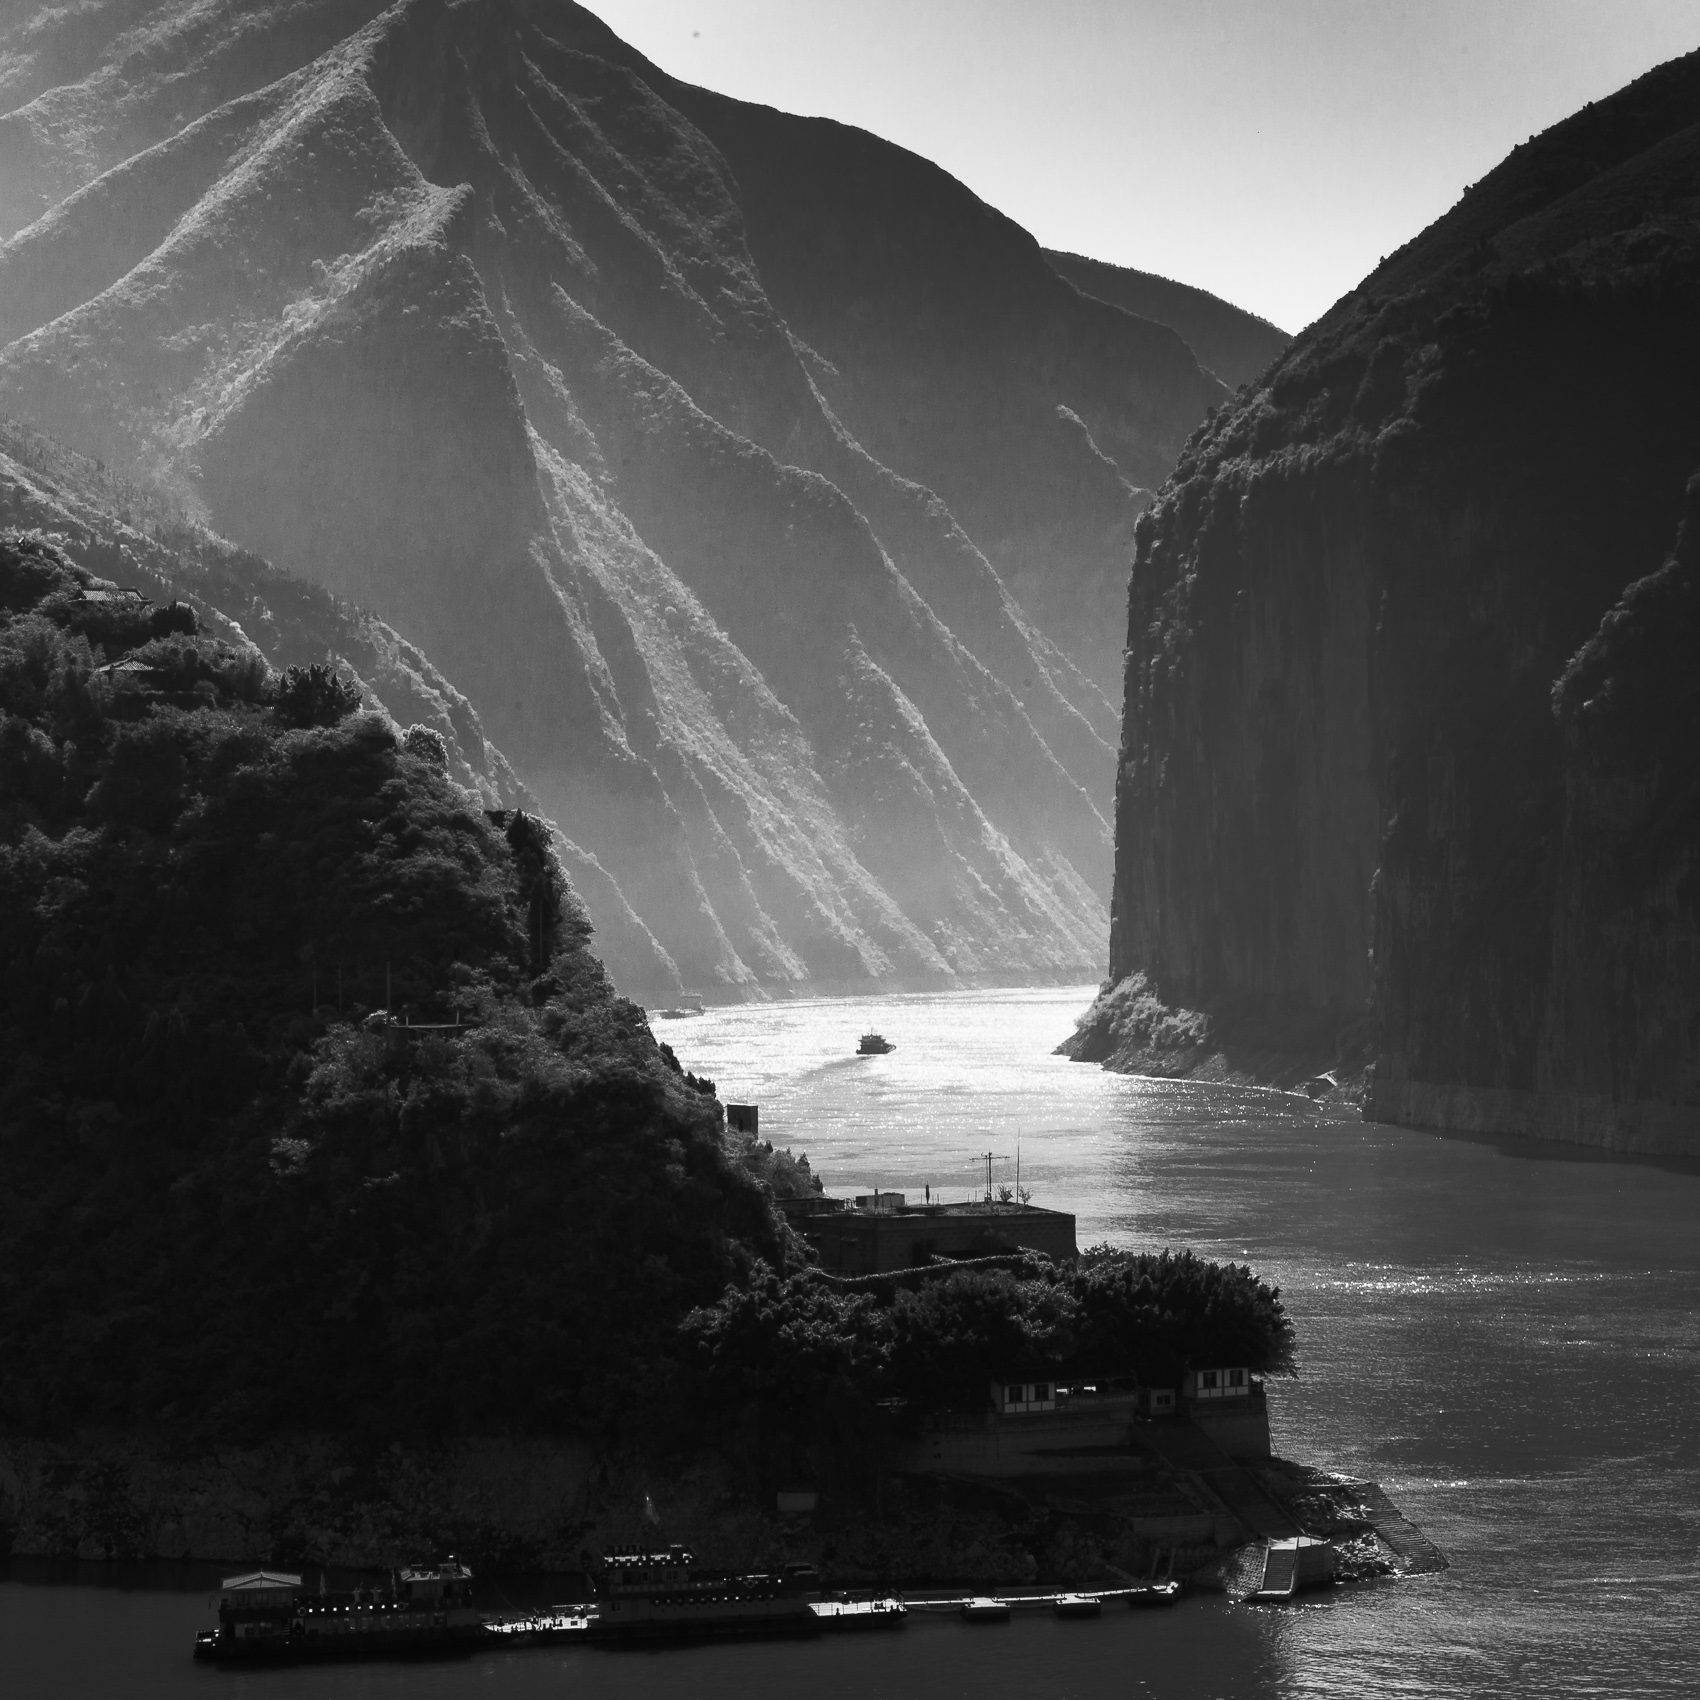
(1407, 769)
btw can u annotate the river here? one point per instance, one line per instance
(1504, 1335)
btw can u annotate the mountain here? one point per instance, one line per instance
(1408, 762)
(1232, 343)
(762, 492)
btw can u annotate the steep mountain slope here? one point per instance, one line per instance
(121, 531)
(1345, 790)
(470, 315)
(1232, 343)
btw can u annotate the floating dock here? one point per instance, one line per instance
(888, 1613)
(1139, 1594)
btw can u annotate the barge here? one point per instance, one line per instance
(649, 1597)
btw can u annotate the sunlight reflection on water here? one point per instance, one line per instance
(1503, 1336)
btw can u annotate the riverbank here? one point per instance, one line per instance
(538, 1505)
(1129, 1029)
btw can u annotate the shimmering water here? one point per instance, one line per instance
(1504, 1336)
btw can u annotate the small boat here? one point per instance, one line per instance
(1077, 1605)
(874, 1045)
(984, 1609)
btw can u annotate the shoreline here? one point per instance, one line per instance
(540, 1507)
(1330, 1059)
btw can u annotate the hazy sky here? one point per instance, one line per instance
(1269, 150)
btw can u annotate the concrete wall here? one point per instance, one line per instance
(1064, 1441)
(867, 1242)
(1239, 1426)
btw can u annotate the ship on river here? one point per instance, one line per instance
(266, 1616)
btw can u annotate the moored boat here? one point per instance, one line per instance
(1154, 1594)
(982, 1608)
(645, 1597)
(1077, 1605)
(266, 1616)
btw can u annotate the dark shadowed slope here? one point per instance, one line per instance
(1346, 792)
(239, 1199)
(470, 315)
(1232, 343)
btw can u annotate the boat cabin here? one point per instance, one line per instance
(259, 1591)
(255, 1609)
(637, 1572)
(436, 1585)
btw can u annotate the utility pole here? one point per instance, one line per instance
(991, 1157)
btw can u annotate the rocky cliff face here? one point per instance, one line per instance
(1348, 810)
(762, 492)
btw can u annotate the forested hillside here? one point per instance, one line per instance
(240, 1196)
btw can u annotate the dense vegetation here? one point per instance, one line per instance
(804, 1349)
(236, 1195)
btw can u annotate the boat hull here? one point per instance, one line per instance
(682, 1629)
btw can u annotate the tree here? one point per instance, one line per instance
(314, 696)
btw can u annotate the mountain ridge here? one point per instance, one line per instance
(1234, 344)
(468, 314)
